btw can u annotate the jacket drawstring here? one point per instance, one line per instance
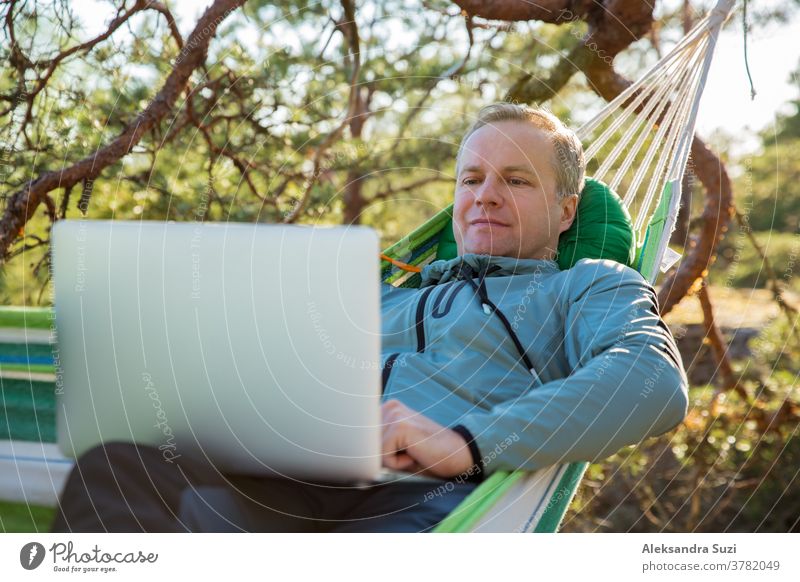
(467, 273)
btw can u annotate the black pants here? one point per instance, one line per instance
(120, 487)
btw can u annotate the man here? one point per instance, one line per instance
(500, 361)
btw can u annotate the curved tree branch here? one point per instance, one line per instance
(530, 89)
(613, 26)
(23, 203)
(357, 108)
(545, 10)
(22, 63)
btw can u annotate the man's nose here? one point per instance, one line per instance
(489, 193)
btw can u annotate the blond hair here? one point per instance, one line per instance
(569, 164)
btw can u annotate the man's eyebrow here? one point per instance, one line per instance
(472, 169)
(525, 169)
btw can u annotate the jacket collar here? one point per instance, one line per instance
(443, 271)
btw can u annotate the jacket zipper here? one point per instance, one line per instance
(420, 319)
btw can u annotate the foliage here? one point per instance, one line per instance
(768, 185)
(739, 264)
(732, 465)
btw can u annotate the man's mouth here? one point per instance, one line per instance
(488, 221)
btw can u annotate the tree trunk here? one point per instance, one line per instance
(354, 202)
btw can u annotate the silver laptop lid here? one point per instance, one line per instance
(255, 346)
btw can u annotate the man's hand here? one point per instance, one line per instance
(413, 442)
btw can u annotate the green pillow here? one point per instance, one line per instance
(602, 230)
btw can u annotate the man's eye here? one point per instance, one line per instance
(469, 181)
(517, 181)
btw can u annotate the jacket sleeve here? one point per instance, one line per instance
(628, 381)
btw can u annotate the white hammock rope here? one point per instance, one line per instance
(668, 96)
(653, 111)
(667, 135)
(668, 106)
(656, 71)
(659, 97)
(668, 80)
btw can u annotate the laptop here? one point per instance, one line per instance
(254, 346)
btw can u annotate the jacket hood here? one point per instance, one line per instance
(443, 271)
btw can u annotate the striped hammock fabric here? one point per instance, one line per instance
(651, 126)
(32, 469)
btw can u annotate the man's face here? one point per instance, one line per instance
(505, 198)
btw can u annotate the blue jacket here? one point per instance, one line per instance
(531, 364)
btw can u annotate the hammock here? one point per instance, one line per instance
(652, 126)
(652, 134)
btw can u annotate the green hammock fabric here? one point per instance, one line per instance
(28, 401)
(602, 229)
(25, 317)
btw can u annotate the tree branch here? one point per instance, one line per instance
(23, 203)
(553, 11)
(611, 29)
(391, 191)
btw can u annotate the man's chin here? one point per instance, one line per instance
(494, 251)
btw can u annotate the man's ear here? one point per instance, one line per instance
(569, 210)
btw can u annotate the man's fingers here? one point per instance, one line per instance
(400, 434)
(412, 442)
(390, 442)
(405, 462)
(393, 448)
(400, 461)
